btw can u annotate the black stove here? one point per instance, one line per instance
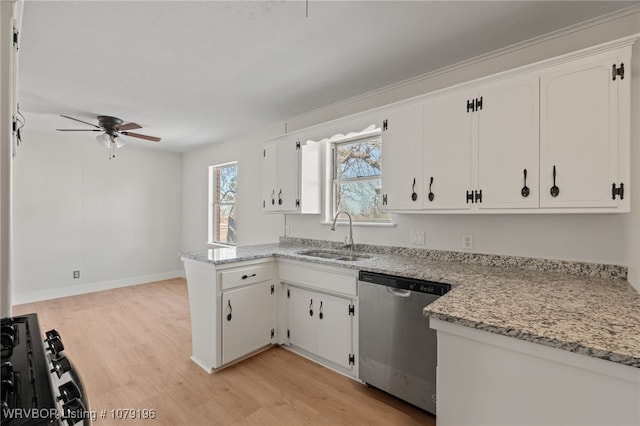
(40, 386)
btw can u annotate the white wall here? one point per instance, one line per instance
(253, 226)
(602, 238)
(116, 221)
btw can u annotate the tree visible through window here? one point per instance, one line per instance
(222, 203)
(357, 179)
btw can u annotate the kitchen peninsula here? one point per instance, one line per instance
(586, 313)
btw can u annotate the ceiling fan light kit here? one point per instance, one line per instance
(110, 142)
(111, 128)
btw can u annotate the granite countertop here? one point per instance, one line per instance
(584, 308)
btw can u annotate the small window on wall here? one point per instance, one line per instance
(357, 179)
(223, 183)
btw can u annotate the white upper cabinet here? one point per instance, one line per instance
(478, 144)
(584, 139)
(551, 137)
(507, 143)
(269, 177)
(402, 159)
(448, 135)
(291, 177)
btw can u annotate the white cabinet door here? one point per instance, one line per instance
(303, 310)
(335, 337)
(508, 129)
(280, 176)
(402, 159)
(579, 133)
(291, 170)
(248, 316)
(288, 172)
(448, 137)
(269, 177)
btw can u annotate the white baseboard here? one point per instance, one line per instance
(54, 293)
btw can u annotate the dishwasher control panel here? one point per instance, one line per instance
(412, 284)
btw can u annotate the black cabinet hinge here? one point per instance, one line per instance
(617, 191)
(617, 71)
(273, 333)
(474, 196)
(288, 334)
(297, 144)
(264, 153)
(471, 105)
(469, 196)
(297, 202)
(385, 125)
(273, 289)
(14, 124)
(264, 204)
(384, 200)
(16, 38)
(352, 359)
(474, 104)
(352, 310)
(288, 294)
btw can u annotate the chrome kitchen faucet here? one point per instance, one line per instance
(333, 228)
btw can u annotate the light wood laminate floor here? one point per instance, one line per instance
(132, 346)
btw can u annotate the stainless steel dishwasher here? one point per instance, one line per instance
(397, 348)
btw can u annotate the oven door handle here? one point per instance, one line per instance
(399, 293)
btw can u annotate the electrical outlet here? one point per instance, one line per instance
(417, 237)
(467, 241)
(76, 275)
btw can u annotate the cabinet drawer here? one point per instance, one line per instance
(246, 275)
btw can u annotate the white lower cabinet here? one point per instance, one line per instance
(248, 320)
(233, 310)
(321, 324)
(485, 378)
(239, 308)
(319, 313)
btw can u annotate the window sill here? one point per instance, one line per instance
(372, 224)
(220, 245)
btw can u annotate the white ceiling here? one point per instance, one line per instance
(198, 72)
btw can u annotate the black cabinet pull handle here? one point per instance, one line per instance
(244, 277)
(280, 197)
(431, 194)
(554, 189)
(525, 189)
(414, 196)
(311, 308)
(320, 314)
(273, 197)
(230, 311)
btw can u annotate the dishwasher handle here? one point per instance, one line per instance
(398, 292)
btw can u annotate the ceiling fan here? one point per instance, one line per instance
(111, 129)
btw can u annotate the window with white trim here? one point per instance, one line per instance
(357, 179)
(223, 210)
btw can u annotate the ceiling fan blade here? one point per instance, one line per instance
(79, 130)
(128, 126)
(75, 119)
(138, 135)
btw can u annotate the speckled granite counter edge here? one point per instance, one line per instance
(515, 262)
(549, 342)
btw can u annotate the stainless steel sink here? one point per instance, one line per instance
(352, 257)
(321, 253)
(334, 255)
